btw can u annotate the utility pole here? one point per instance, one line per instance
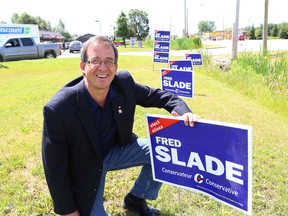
(235, 32)
(265, 27)
(185, 20)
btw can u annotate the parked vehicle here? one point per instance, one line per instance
(75, 46)
(241, 38)
(20, 48)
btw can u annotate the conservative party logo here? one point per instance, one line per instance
(198, 178)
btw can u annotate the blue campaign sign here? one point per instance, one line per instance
(196, 58)
(162, 35)
(132, 41)
(160, 46)
(161, 57)
(181, 65)
(180, 82)
(214, 158)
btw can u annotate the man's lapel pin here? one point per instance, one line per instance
(119, 110)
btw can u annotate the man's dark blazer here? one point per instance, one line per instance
(70, 149)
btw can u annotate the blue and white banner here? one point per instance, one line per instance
(179, 82)
(160, 46)
(214, 158)
(162, 35)
(196, 58)
(161, 57)
(181, 65)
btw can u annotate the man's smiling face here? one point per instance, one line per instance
(101, 68)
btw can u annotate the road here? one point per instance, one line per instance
(221, 48)
(225, 46)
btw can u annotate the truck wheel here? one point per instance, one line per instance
(50, 55)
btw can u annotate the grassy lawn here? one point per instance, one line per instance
(25, 86)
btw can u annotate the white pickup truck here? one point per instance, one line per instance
(20, 48)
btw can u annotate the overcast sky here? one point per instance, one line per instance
(79, 16)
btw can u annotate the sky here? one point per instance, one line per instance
(79, 16)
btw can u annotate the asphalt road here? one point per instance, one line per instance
(221, 48)
(225, 46)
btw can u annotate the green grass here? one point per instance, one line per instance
(25, 86)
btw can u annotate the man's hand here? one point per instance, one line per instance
(189, 118)
(75, 213)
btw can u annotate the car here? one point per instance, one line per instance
(75, 46)
(241, 38)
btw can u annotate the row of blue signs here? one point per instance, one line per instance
(161, 46)
(162, 49)
(178, 79)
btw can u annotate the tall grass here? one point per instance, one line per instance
(272, 66)
(263, 78)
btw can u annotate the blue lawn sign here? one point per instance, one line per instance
(132, 41)
(160, 46)
(161, 57)
(181, 64)
(162, 35)
(196, 58)
(213, 158)
(179, 82)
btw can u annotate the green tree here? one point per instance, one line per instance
(61, 28)
(206, 26)
(251, 33)
(139, 24)
(275, 31)
(42, 24)
(67, 36)
(283, 34)
(25, 18)
(14, 18)
(122, 29)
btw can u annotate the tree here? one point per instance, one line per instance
(122, 29)
(283, 34)
(14, 18)
(259, 33)
(60, 27)
(42, 24)
(206, 26)
(139, 24)
(275, 31)
(251, 33)
(25, 18)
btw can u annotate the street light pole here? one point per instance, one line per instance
(99, 26)
(113, 27)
